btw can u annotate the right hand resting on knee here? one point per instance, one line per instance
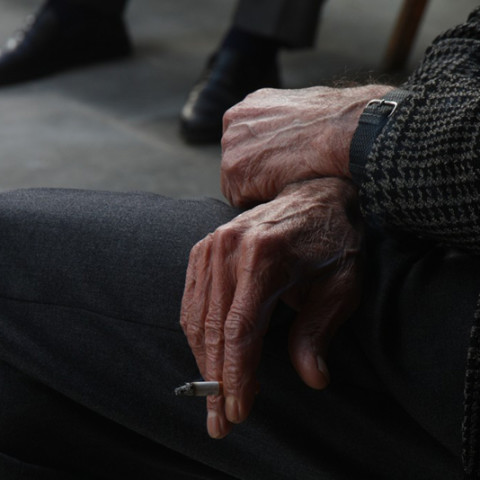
(302, 247)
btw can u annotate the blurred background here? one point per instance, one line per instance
(114, 126)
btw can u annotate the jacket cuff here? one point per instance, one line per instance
(374, 117)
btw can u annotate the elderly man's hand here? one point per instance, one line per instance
(302, 247)
(277, 137)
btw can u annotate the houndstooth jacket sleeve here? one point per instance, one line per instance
(423, 172)
(422, 175)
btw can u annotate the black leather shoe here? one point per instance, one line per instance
(48, 45)
(227, 79)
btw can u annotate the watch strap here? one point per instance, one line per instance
(374, 117)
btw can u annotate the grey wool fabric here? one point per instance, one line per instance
(422, 175)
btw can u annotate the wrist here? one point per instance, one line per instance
(338, 190)
(359, 99)
(372, 122)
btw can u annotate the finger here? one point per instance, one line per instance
(223, 263)
(330, 303)
(218, 425)
(189, 289)
(196, 299)
(245, 327)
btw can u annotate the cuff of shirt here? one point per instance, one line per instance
(372, 121)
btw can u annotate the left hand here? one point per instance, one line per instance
(277, 137)
(301, 247)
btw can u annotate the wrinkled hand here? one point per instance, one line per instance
(300, 247)
(277, 137)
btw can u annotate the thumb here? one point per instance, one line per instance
(328, 305)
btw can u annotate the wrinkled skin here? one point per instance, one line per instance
(290, 149)
(277, 137)
(302, 247)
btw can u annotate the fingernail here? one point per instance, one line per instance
(213, 425)
(232, 409)
(322, 367)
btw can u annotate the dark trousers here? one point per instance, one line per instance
(91, 351)
(109, 7)
(291, 22)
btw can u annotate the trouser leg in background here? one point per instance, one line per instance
(109, 7)
(291, 22)
(91, 350)
(66, 34)
(246, 61)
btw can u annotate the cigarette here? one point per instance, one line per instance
(200, 389)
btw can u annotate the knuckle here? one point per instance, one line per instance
(197, 249)
(226, 139)
(257, 93)
(234, 137)
(195, 335)
(226, 236)
(199, 245)
(214, 337)
(238, 328)
(229, 159)
(233, 375)
(224, 142)
(215, 403)
(184, 322)
(192, 256)
(222, 231)
(257, 241)
(261, 94)
(230, 115)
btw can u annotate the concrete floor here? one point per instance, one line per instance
(114, 126)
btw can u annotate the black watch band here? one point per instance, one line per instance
(373, 119)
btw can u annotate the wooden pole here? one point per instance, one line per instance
(403, 35)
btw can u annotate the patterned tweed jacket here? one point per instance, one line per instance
(422, 175)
